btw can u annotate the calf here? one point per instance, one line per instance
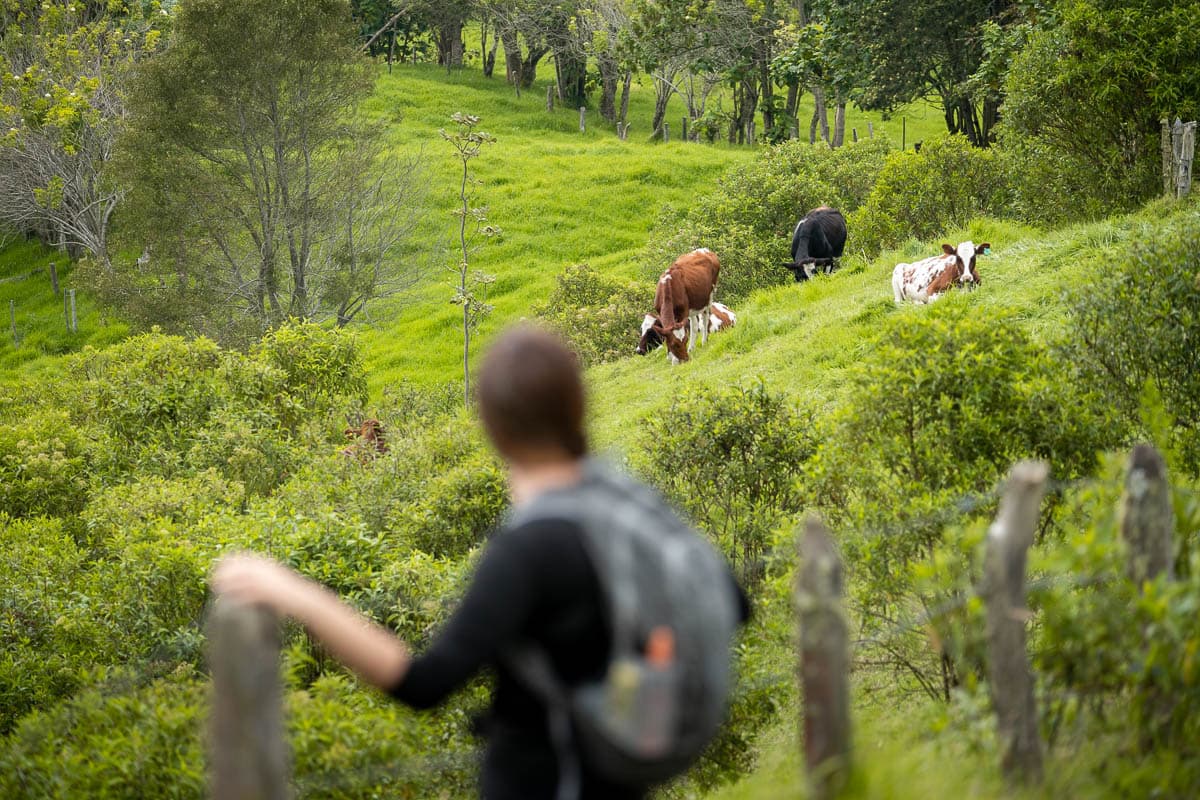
(683, 296)
(817, 241)
(722, 318)
(924, 281)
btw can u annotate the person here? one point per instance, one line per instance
(534, 583)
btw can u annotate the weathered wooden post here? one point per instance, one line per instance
(1187, 150)
(67, 310)
(870, 130)
(683, 135)
(666, 132)
(794, 133)
(1147, 517)
(550, 97)
(1003, 589)
(249, 755)
(854, 134)
(12, 321)
(824, 662)
(54, 278)
(750, 131)
(1168, 161)
(582, 119)
(74, 320)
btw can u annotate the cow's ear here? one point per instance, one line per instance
(984, 249)
(948, 249)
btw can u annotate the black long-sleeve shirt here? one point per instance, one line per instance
(535, 583)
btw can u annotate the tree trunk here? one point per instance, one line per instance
(991, 115)
(793, 100)
(608, 86)
(820, 116)
(450, 45)
(664, 87)
(572, 79)
(512, 56)
(529, 65)
(623, 111)
(839, 124)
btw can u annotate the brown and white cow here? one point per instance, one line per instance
(367, 441)
(684, 292)
(924, 281)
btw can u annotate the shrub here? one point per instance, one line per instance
(730, 460)
(749, 219)
(922, 194)
(322, 365)
(599, 317)
(43, 467)
(1138, 323)
(942, 405)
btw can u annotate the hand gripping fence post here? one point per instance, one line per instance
(1003, 589)
(824, 662)
(249, 759)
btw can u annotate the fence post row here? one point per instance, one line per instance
(824, 662)
(1011, 680)
(1148, 517)
(248, 749)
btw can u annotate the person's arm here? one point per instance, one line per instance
(374, 653)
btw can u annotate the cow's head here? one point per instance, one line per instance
(966, 272)
(675, 338)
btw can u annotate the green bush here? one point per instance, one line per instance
(1138, 323)
(923, 194)
(599, 317)
(730, 460)
(941, 406)
(322, 365)
(748, 220)
(44, 464)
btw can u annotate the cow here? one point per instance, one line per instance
(682, 303)
(818, 241)
(924, 281)
(722, 318)
(367, 441)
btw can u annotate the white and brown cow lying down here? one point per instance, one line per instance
(924, 281)
(721, 319)
(684, 292)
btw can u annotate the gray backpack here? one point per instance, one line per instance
(673, 610)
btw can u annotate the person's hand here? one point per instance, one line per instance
(256, 580)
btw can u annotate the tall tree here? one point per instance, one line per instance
(243, 155)
(913, 49)
(63, 71)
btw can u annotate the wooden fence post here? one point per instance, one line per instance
(1147, 517)
(582, 119)
(794, 133)
(550, 97)
(666, 132)
(870, 130)
(74, 321)
(1168, 161)
(854, 134)
(1008, 541)
(249, 754)
(67, 309)
(824, 662)
(54, 278)
(683, 136)
(1185, 153)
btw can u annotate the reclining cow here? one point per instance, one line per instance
(682, 303)
(818, 241)
(924, 281)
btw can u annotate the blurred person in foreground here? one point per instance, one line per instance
(534, 583)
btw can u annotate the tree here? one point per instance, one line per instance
(912, 49)
(470, 288)
(63, 70)
(254, 188)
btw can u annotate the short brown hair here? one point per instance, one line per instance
(530, 393)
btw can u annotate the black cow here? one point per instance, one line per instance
(817, 242)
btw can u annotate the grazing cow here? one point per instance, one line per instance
(924, 281)
(818, 241)
(367, 441)
(682, 301)
(721, 319)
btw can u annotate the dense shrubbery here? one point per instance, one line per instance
(598, 316)
(730, 460)
(1139, 323)
(921, 194)
(938, 410)
(748, 220)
